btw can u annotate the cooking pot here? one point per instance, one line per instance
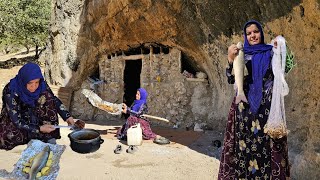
(85, 140)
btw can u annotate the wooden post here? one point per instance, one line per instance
(150, 59)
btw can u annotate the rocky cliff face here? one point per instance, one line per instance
(85, 32)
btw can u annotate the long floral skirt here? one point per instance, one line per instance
(132, 120)
(11, 136)
(248, 152)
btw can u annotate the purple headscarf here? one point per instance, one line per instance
(28, 72)
(261, 57)
(143, 100)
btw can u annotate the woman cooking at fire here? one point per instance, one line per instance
(30, 110)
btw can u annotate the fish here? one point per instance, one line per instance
(39, 162)
(239, 67)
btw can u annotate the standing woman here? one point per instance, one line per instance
(248, 152)
(30, 110)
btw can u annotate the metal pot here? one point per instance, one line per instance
(85, 140)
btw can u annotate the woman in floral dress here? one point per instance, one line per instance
(248, 152)
(30, 110)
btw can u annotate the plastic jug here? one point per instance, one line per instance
(134, 135)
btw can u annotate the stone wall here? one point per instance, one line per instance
(171, 95)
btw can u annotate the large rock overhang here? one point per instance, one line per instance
(83, 32)
(199, 29)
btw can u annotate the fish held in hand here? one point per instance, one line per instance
(238, 67)
(39, 162)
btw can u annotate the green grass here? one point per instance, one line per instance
(290, 62)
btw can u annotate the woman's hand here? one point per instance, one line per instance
(70, 121)
(275, 45)
(78, 124)
(47, 128)
(124, 108)
(232, 53)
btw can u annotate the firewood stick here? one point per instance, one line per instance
(155, 117)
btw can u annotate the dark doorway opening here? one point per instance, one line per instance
(188, 64)
(131, 80)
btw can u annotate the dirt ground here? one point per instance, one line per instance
(190, 155)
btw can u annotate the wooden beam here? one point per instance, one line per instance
(197, 79)
(133, 57)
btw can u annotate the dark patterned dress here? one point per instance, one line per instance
(248, 152)
(135, 118)
(19, 123)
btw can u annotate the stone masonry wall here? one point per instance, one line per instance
(171, 95)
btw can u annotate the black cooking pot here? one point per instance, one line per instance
(85, 140)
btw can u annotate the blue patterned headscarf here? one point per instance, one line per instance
(261, 57)
(143, 100)
(28, 72)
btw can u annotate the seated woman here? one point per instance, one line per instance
(30, 110)
(138, 108)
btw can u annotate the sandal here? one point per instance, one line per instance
(118, 149)
(132, 149)
(161, 140)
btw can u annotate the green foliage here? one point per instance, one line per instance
(290, 63)
(24, 22)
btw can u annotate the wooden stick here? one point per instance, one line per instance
(133, 57)
(155, 117)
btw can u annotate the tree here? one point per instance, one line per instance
(25, 22)
(7, 13)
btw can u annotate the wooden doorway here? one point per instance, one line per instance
(131, 80)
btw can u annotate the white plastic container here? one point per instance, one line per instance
(134, 135)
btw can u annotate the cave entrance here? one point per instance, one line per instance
(131, 80)
(188, 64)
